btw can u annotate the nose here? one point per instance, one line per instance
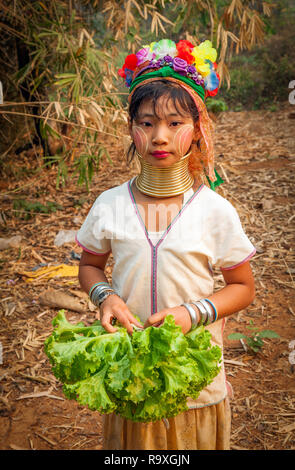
(160, 135)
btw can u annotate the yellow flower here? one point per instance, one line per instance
(204, 69)
(206, 51)
(201, 53)
(201, 66)
(151, 46)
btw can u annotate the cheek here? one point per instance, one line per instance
(140, 140)
(183, 139)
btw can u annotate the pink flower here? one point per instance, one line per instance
(143, 55)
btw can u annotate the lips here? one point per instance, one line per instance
(160, 154)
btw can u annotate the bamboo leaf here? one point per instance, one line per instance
(43, 6)
(138, 8)
(165, 19)
(82, 118)
(67, 75)
(70, 111)
(58, 109)
(76, 92)
(64, 81)
(49, 130)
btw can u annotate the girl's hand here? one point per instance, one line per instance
(114, 307)
(181, 318)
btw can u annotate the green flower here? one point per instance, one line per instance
(164, 47)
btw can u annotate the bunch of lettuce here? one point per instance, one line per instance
(143, 377)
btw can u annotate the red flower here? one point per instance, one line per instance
(121, 72)
(184, 49)
(185, 43)
(212, 93)
(131, 62)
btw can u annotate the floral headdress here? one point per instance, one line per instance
(194, 69)
(195, 63)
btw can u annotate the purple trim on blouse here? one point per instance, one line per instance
(154, 248)
(239, 264)
(145, 231)
(89, 251)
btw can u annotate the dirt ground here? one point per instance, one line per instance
(255, 157)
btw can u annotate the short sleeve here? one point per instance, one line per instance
(93, 235)
(232, 247)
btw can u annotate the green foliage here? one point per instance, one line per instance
(255, 340)
(260, 78)
(244, 83)
(143, 377)
(71, 81)
(26, 209)
(87, 164)
(216, 105)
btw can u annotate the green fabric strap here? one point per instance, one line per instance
(216, 183)
(168, 72)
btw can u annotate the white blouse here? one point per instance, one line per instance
(159, 270)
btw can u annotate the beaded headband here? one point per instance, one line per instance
(194, 69)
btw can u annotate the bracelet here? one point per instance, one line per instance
(104, 296)
(96, 285)
(100, 292)
(99, 288)
(98, 296)
(192, 314)
(214, 308)
(203, 313)
(210, 315)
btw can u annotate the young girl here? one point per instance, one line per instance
(166, 229)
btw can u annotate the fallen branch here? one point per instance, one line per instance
(38, 395)
(234, 363)
(46, 439)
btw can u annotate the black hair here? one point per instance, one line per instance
(182, 100)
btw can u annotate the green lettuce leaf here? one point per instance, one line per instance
(92, 392)
(144, 377)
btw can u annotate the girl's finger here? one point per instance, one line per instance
(159, 323)
(156, 319)
(123, 319)
(106, 322)
(133, 320)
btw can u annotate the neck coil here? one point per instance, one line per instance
(164, 182)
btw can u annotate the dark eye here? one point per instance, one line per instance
(175, 123)
(146, 124)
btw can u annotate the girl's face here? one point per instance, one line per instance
(164, 138)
